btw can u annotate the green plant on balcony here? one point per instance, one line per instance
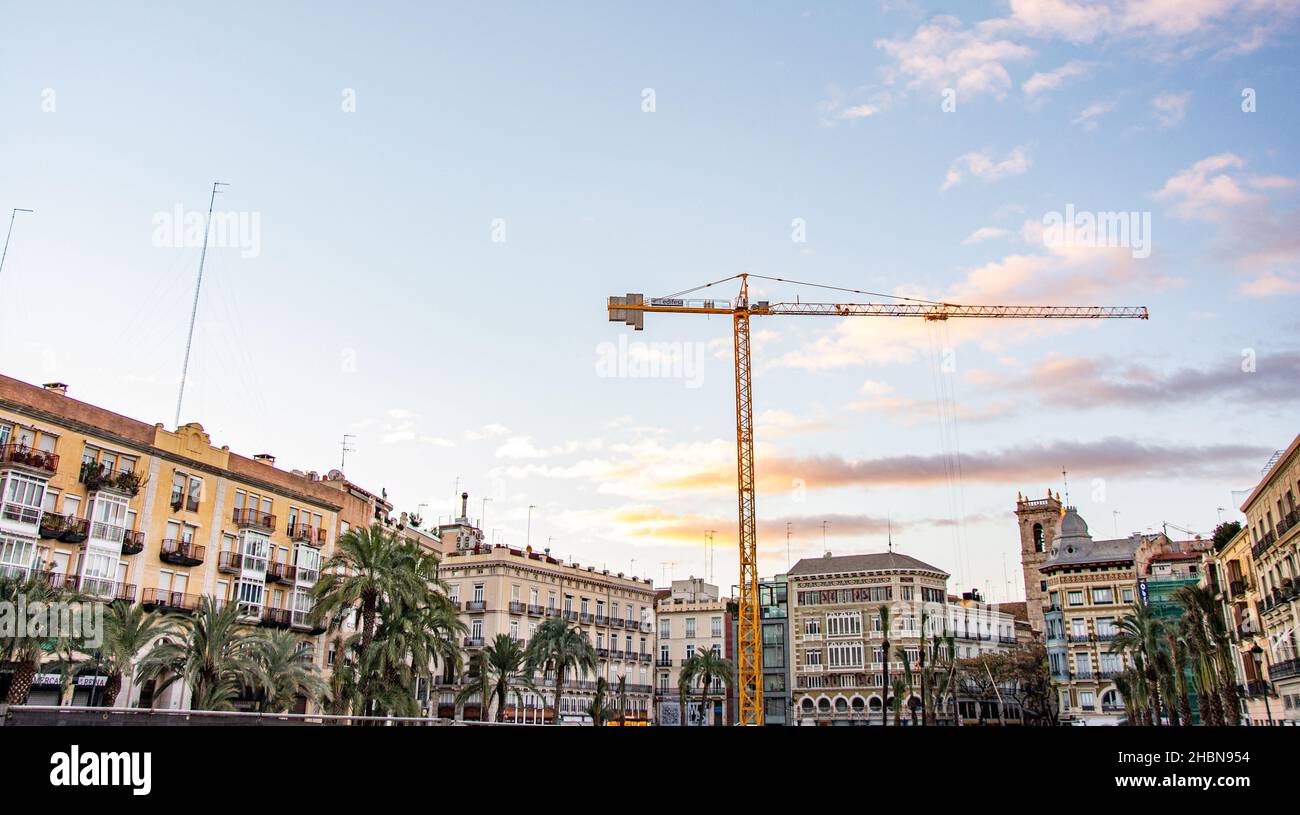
(129, 482)
(52, 524)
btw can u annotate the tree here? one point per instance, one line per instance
(1225, 532)
(1210, 636)
(597, 711)
(884, 652)
(211, 653)
(392, 585)
(563, 649)
(286, 671)
(1029, 681)
(903, 689)
(708, 667)
(477, 683)
(25, 648)
(1124, 682)
(620, 693)
(128, 630)
(507, 667)
(1139, 636)
(1176, 652)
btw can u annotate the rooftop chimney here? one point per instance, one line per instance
(265, 458)
(56, 387)
(464, 505)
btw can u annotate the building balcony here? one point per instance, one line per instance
(104, 589)
(644, 657)
(22, 457)
(76, 531)
(1265, 543)
(473, 642)
(181, 552)
(536, 611)
(517, 607)
(1237, 587)
(616, 622)
(663, 663)
(52, 524)
(253, 519)
(98, 477)
(302, 533)
(277, 572)
(586, 619)
(132, 542)
(303, 620)
(276, 617)
(230, 562)
(473, 606)
(646, 628)
(169, 600)
(1284, 669)
(571, 616)
(601, 619)
(602, 653)
(616, 654)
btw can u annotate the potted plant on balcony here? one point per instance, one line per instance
(129, 482)
(52, 524)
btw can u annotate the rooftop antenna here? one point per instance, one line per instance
(532, 507)
(889, 527)
(1114, 513)
(194, 309)
(347, 447)
(824, 549)
(1066, 482)
(787, 546)
(482, 514)
(708, 552)
(9, 234)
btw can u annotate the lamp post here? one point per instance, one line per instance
(1261, 657)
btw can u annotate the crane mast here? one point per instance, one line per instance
(631, 309)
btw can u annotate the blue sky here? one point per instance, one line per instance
(377, 302)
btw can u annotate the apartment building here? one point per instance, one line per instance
(1273, 524)
(837, 630)
(503, 590)
(1091, 585)
(132, 511)
(691, 617)
(1230, 572)
(774, 629)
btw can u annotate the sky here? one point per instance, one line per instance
(429, 204)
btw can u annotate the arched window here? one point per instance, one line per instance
(841, 705)
(824, 705)
(807, 704)
(1039, 545)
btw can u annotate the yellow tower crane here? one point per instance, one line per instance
(632, 308)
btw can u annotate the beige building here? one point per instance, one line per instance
(133, 511)
(1039, 519)
(502, 590)
(837, 633)
(1230, 572)
(691, 617)
(1273, 525)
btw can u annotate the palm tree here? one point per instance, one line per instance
(620, 693)
(1176, 651)
(213, 654)
(393, 585)
(1139, 636)
(286, 671)
(128, 629)
(477, 683)
(708, 667)
(1199, 603)
(25, 651)
(597, 707)
(684, 680)
(564, 649)
(1124, 686)
(925, 617)
(507, 666)
(884, 650)
(903, 688)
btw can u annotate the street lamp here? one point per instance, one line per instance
(1259, 656)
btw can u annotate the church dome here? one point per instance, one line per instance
(1073, 525)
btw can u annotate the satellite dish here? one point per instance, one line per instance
(335, 475)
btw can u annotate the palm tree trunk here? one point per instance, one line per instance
(884, 706)
(559, 690)
(1153, 696)
(1231, 704)
(21, 685)
(112, 687)
(501, 702)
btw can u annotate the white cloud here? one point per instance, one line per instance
(1171, 108)
(487, 431)
(1206, 189)
(942, 54)
(1045, 81)
(981, 164)
(1088, 116)
(985, 233)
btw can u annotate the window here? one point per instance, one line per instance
(23, 498)
(665, 628)
(663, 654)
(812, 627)
(844, 624)
(478, 592)
(1103, 597)
(1128, 596)
(1075, 598)
(690, 650)
(813, 656)
(514, 629)
(717, 627)
(844, 654)
(476, 629)
(690, 627)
